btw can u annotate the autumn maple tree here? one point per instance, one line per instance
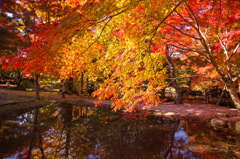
(209, 30)
(125, 44)
(11, 39)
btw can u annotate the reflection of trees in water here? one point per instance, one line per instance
(67, 126)
(138, 139)
(58, 137)
(14, 134)
(69, 131)
(212, 144)
(36, 140)
(83, 131)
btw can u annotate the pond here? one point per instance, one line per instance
(68, 131)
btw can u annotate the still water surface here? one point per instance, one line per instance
(67, 131)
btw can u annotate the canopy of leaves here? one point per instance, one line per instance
(122, 43)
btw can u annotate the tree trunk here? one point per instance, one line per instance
(69, 85)
(34, 138)
(36, 87)
(234, 96)
(67, 126)
(162, 92)
(81, 88)
(221, 96)
(178, 98)
(19, 79)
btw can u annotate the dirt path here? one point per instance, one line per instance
(196, 110)
(203, 112)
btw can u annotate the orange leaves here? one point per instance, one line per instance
(74, 3)
(98, 103)
(118, 105)
(110, 41)
(120, 34)
(140, 9)
(203, 70)
(156, 49)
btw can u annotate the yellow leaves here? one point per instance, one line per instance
(121, 3)
(74, 3)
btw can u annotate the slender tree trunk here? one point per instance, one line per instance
(162, 92)
(2, 75)
(36, 87)
(33, 133)
(71, 85)
(67, 86)
(19, 79)
(171, 138)
(221, 96)
(68, 125)
(178, 98)
(34, 138)
(81, 89)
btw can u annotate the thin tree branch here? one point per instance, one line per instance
(99, 35)
(186, 20)
(224, 47)
(226, 29)
(203, 38)
(183, 32)
(236, 78)
(217, 79)
(219, 16)
(210, 16)
(156, 29)
(190, 15)
(199, 53)
(234, 52)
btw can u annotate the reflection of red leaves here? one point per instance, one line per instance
(118, 104)
(98, 103)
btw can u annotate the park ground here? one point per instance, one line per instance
(15, 101)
